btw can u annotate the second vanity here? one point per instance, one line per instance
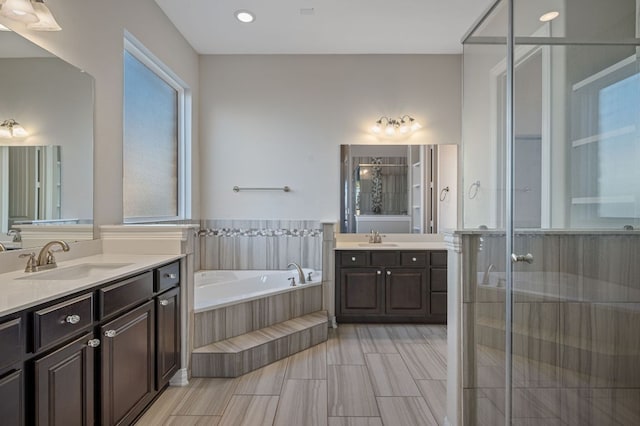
(391, 282)
(93, 341)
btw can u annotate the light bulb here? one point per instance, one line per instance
(19, 131)
(549, 16)
(403, 127)
(244, 16)
(390, 130)
(5, 132)
(377, 128)
(415, 126)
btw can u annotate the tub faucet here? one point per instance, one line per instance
(301, 279)
(485, 277)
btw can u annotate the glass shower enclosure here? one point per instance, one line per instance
(551, 212)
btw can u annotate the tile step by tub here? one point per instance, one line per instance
(241, 354)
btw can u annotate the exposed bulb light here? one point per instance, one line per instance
(549, 16)
(244, 16)
(46, 20)
(391, 126)
(12, 129)
(19, 10)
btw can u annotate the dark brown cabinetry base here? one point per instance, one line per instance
(391, 286)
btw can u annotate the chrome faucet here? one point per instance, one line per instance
(301, 279)
(45, 259)
(375, 237)
(16, 235)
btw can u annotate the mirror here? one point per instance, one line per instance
(46, 178)
(398, 188)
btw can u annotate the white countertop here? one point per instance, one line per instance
(18, 294)
(355, 245)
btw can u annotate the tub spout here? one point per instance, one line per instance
(301, 279)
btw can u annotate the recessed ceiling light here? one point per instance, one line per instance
(549, 16)
(244, 16)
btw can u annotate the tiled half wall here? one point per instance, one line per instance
(260, 244)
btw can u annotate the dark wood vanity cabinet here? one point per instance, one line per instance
(390, 286)
(96, 357)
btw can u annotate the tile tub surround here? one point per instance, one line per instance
(260, 244)
(576, 350)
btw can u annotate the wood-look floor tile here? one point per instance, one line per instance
(390, 376)
(434, 393)
(250, 410)
(355, 421)
(350, 392)
(405, 333)
(302, 403)
(206, 397)
(308, 364)
(343, 346)
(375, 339)
(423, 361)
(163, 406)
(405, 411)
(192, 421)
(263, 381)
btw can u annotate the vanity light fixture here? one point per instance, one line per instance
(392, 126)
(244, 16)
(549, 16)
(12, 129)
(19, 10)
(46, 20)
(34, 13)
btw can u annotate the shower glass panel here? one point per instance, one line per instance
(552, 338)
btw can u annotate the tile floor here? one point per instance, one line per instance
(364, 375)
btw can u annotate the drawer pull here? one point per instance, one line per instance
(93, 343)
(379, 272)
(110, 333)
(171, 276)
(72, 319)
(413, 259)
(388, 272)
(353, 259)
(164, 302)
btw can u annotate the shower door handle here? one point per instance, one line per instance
(515, 258)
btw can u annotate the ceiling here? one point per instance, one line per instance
(326, 27)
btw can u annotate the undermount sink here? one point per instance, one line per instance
(74, 272)
(377, 245)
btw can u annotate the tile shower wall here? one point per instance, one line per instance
(260, 244)
(576, 347)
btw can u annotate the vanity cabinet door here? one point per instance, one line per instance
(406, 292)
(361, 291)
(128, 365)
(168, 336)
(64, 392)
(12, 398)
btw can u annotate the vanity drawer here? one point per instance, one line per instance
(118, 297)
(438, 258)
(11, 342)
(408, 258)
(353, 258)
(167, 276)
(57, 322)
(384, 258)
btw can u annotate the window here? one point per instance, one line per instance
(154, 181)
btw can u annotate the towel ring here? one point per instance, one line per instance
(443, 193)
(473, 190)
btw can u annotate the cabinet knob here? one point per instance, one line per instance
(93, 343)
(171, 276)
(413, 259)
(379, 272)
(353, 259)
(164, 302)
(110, 333)
(72, 319)
(388, 272)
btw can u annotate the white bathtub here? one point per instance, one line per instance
(216, 289)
